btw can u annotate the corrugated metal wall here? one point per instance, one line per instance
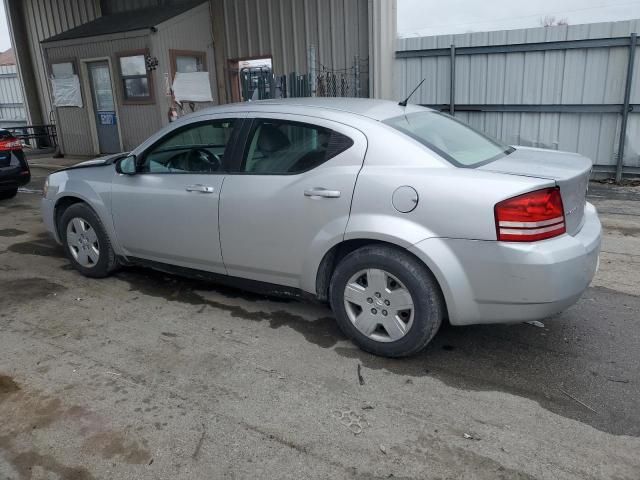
(581, 76)
(12, 110)
(188, 31)
(284, 29)
(116, 6)
(383, 32)
(45, 18)
(137, 122)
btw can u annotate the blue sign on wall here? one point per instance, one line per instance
(107, 118)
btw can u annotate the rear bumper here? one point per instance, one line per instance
(502, 282)
(14, 180)
(14, 170)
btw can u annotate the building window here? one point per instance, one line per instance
(184, 61)
(136, 80)
(252, 79)
(63, 69)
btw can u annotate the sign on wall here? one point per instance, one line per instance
(107, 118)
(192, 87)
(66, 91)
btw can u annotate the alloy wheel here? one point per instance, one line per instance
(83, 242)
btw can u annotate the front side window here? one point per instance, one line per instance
(197, 148)
(286, 148)
(136, 83)
(451, 139)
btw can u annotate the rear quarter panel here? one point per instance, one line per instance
(453, 202)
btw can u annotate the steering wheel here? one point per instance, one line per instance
(203, 160)
(178, 162)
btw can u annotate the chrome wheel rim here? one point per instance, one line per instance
(82, 242)
(379, 305)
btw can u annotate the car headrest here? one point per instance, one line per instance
(271, 139)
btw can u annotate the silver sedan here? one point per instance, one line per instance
(399, 217)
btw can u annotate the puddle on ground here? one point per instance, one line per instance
(11, 232)
(25, 412)
(323, 332)
(18, 206)
(43, 246)
(25, 290)
(181, 289)
(7, 385)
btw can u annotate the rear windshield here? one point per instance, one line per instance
(453, 140)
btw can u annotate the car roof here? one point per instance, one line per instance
(367, 107)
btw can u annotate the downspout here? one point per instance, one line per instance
(219, 48)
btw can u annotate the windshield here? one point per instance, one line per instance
(450, 138)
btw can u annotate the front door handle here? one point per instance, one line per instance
(199, 188)
(322, 192)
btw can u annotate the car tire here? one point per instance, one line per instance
(86, 242)
(359, 303)
(7, 194)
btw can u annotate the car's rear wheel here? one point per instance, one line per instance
(86, 242)
(6, 194)
(386, 301)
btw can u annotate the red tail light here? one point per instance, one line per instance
(530, 217)
(10, 143)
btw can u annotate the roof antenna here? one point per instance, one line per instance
(404, 102)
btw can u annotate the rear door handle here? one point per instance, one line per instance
(199, 188)
(322, 192)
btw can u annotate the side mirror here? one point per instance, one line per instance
(126, 165)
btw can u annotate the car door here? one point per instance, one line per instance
(289, 196)
(168, 210)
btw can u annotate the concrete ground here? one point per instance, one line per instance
(147, 375)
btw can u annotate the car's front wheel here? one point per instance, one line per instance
(386, 301)
(86, 242)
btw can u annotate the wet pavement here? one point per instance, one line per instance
(149, 375)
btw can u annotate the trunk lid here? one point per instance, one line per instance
(570, 171)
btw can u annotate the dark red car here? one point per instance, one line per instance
(14, 169)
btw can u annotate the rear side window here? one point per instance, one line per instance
(280, 147)
(451, 139)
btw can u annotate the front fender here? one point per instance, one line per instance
(89, 188)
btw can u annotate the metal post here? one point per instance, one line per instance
(452, 87)
(312, 64)
(625, 107)
(356, 75)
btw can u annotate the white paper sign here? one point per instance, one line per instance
(192, 87)
(66, 91)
